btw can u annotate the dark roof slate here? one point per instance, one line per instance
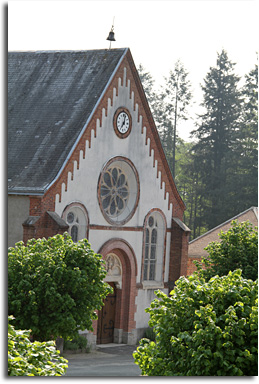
(51, 95)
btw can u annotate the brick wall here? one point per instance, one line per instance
(45, 226)
(178, 254)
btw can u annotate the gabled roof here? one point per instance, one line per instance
(51, 97)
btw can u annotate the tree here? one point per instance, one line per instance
(32, 359)
(173, 101)
(189, 185)
(203, 329)
(55, 286)
(168, 106)
(238, 249)
(217, 134)
(148, 85)
(244, 177)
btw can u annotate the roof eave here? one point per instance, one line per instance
(26, 192)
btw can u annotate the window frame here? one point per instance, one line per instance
(69, 208)
(132, 177)
(160, 227)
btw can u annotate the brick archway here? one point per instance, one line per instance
(124, 330)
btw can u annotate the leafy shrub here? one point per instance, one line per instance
(203, 329)
(150, 334)
(55, 286)
(78, 342)
(238, 249)
(32, 359)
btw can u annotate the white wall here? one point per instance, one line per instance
(143, 300)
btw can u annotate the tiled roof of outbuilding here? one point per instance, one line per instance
(51, 96)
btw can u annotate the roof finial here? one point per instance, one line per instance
(111, 35)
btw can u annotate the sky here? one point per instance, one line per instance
(157, 32)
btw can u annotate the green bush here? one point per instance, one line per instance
(238, 249)
(32, 359)
(203, 329)
(78, 342)
(55, 286)
(150, 334)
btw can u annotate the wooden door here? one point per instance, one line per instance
(106, 319)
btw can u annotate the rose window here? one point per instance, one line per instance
(114, 191)
(118, 190)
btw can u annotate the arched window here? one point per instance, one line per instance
(76, 217)
(154, 247)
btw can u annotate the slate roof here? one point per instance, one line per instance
(51, 96)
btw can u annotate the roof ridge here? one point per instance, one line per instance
(68, 50)
(225, 222)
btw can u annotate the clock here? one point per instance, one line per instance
(122, 122)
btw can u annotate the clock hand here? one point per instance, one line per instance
(123, 121)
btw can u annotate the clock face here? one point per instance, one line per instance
(123, 122)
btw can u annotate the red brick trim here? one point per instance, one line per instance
(115, 228)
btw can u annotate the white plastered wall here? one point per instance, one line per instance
(83, 187)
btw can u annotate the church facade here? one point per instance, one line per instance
(84, 156)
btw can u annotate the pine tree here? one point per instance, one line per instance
(172, 108)
(168, 106)
(189, 184)
(245, 177)
(216, 134)
(148, 85)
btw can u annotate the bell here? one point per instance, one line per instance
(111, 36)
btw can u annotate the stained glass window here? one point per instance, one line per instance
(114, 191)
(154, 248)
(77, 220)
(118, 190)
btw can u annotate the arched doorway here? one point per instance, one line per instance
(121, 272)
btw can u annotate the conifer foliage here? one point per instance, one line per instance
(217, 134)
(217, 172)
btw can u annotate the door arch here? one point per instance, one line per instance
(124, 324)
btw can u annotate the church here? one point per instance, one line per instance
(84, 156)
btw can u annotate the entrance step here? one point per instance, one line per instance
(109, 345)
